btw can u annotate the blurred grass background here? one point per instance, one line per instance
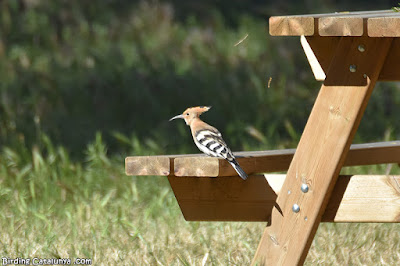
(86, 83)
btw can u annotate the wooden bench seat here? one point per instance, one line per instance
(358, 198)
(252, 162)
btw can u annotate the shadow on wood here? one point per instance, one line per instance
(224, 198)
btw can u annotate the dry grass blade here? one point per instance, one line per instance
(241, 40)
(204, 261)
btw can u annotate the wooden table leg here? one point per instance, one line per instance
(322, 149)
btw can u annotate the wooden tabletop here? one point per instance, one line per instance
(382, 23)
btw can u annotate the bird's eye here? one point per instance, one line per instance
(187, 113)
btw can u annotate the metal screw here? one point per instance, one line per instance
(361, 48)
(353, 68)
(305, 218)
(295, 208)
(365, 76)
(304, 188)
(289, 192)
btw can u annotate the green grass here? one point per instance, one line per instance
(71, 68)
(52, 207)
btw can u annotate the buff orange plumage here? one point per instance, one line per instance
(207, 138)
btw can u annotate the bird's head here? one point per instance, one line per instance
(191, 113)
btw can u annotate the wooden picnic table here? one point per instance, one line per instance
(349, 52)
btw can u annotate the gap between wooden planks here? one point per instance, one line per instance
(381, 23)
(320, 51)
(252, 162)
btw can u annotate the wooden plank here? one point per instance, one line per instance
(148, 165)
(279, 160)
(384, 27)
(357, 24)
(205, 166)
(324, 48)
(374, 199)
(321, 152)
(252, 162)
(333, 24)
(162, 165)
(364, 14)
(291, 26)
(341, 26)
(356, 198)
(223, 198)
(373, 153)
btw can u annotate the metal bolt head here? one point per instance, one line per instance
(304, 188)
(353, 68)
(361, 48)
(296, 208)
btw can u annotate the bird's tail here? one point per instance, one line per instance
(238, 169)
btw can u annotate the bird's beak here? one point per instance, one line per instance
(175, 117)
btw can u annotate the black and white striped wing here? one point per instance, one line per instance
(211, 143)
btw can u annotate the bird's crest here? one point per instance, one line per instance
(197, 109)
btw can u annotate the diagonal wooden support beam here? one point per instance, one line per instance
(322, 150)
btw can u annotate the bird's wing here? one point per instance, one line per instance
(210, 142)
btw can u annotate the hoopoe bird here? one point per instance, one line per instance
(207, 138)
